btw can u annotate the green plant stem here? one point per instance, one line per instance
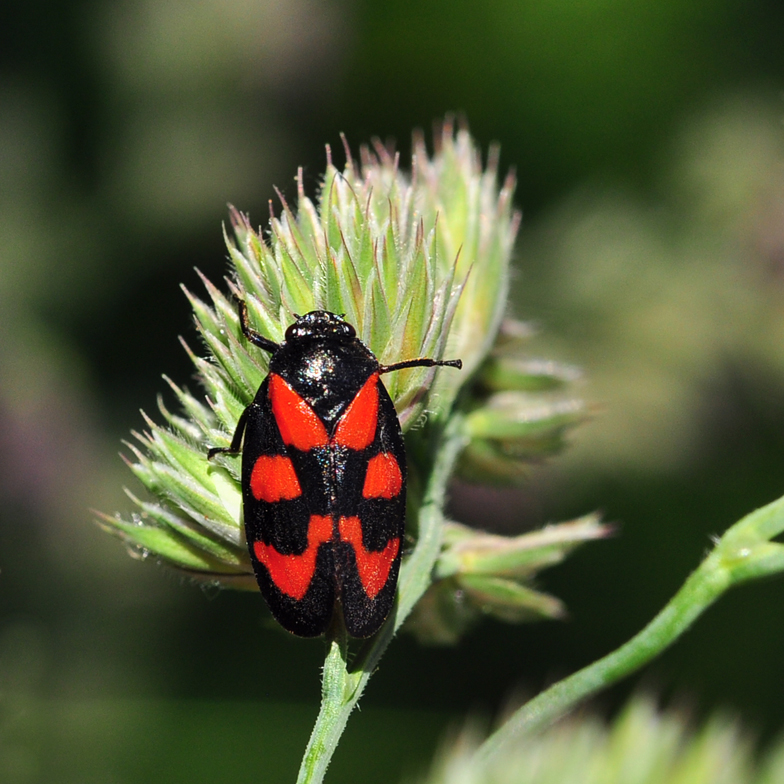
(341, 687)
(699, 591)
(335, 686)
(745, 552)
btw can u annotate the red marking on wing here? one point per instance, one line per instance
(357, 427)
(298, 423)
(383, 478)
(373, 567)
(292, 574)
(273, 479)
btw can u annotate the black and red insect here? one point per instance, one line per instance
(323, 477)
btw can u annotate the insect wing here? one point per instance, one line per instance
(287, 523)
(370, 508)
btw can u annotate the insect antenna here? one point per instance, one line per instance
(421, 362)
(254, 337)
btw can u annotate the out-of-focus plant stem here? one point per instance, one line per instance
(743, 553)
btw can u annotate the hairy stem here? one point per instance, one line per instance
(341, 687)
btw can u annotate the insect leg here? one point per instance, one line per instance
(236, 442)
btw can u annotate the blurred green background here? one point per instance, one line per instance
(648, 142)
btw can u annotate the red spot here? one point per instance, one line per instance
(298, 423)
(357, 427)
(273, 479)
(383, 478)
(292, 574)
(373, 567)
